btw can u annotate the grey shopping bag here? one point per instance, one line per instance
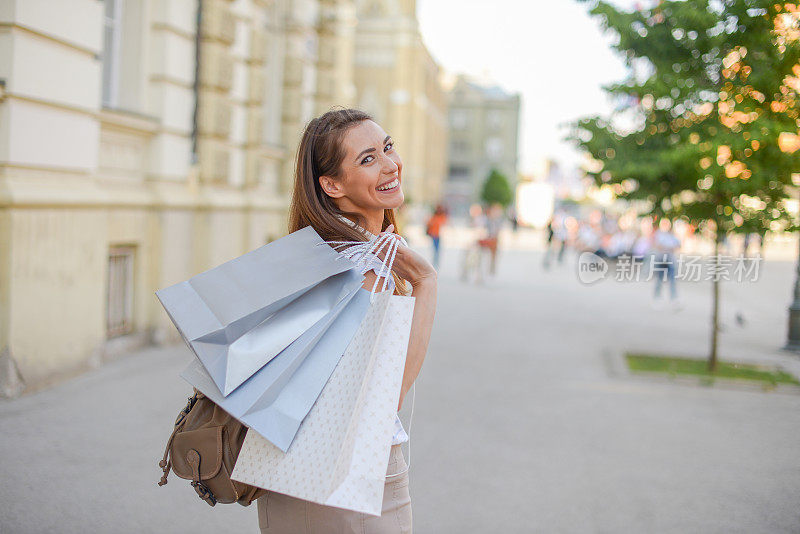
(239, 315)
(276, 399)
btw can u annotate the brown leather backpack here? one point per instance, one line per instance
(203, 448)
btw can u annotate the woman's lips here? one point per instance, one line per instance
(389, 186)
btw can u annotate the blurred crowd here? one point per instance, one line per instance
(611, 237)
(651, 242)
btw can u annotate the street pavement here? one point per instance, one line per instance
(520, 423)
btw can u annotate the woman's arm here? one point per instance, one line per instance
(411, 266)
(424, 293)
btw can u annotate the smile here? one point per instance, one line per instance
(390, 185)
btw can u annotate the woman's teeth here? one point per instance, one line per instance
(391, 185)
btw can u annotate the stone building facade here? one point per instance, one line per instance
(400, 84)
(484, 131)
(144, 141)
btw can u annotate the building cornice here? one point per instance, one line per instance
(81, 110)
(76, 190)
(129, 121)
(175, 30)
(161, 78)
(118, 118)
(94, 54)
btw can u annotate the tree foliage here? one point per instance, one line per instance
(497, 189)
(710, 101)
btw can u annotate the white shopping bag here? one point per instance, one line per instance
(340, 452)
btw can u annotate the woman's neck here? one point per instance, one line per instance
(374, 221)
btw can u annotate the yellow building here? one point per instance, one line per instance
(97, 188)
(137, 151)
(398, 82)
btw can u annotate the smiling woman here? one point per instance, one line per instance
(369, 178)
(348, 182)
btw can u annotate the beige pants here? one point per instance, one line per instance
(281, 514)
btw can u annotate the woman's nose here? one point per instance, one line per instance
(390, 166)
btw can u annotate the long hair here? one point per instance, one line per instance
(321, 153)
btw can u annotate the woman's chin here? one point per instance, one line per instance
(398, 201)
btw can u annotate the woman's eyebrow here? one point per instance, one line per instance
(372, 149)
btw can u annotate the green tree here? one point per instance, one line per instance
(704, 115)
(497, 189)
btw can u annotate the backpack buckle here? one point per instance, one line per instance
(185, 412)
(204, 493)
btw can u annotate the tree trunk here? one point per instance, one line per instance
(712, 357)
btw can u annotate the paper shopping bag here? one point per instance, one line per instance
(276, 399)
(228, 315)
(340, 453)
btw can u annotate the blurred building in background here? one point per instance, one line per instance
(484, 127)
(144, 141)
(399, 83)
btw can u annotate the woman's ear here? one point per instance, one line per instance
(331, 187)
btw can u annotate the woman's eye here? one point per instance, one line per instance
(388, 145)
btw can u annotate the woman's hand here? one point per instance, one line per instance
(410, 265)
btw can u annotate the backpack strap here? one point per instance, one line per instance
(166, 463)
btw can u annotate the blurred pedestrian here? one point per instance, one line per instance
(512, 216)
(472, 260)
(434, 228)
(557, 234)
(494, 223)
(643, 243)
(549, 233)
(589, 237)
(665, 246)
(749, 238)
(725, 245)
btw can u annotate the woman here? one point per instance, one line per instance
(347, 185)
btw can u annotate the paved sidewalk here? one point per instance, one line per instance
(518, 427)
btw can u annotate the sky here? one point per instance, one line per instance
(549, 51)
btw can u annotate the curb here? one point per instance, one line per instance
(617, 367)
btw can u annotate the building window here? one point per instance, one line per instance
(459, 119)
(459, 173)
(459, 146)
(112, 37)
(124, 46)
(119, 310)
(495, 119)
(494, 148)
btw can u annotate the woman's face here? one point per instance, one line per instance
(371, 172)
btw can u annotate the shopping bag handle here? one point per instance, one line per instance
(408, 432)
(365, 255)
